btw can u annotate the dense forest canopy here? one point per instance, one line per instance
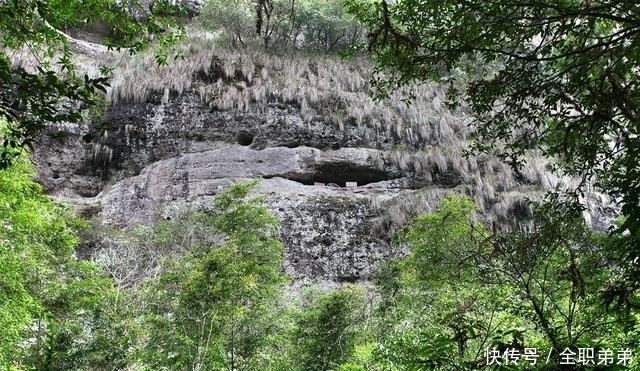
(285, 25)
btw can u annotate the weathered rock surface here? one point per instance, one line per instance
(328, 231)
(153, 159)
(134, 135)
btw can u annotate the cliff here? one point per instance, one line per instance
(341, 170)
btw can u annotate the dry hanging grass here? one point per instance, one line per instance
(432, 138)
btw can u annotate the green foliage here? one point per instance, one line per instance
(436, 313)
(31, 99)
(55, 312)
(317, 26)
(362, 359)
(212, 308)
(462, 291)
(443, 242)
(234, 17)
(328, 330)
(325, 26)
(215, 301)
(554, 76)
(17, 304)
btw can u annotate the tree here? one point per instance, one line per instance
(325, 26)
(553, 75)
(439, 314)
(282, 25)
(232, 16)
(328, 329)
(561, 271)
(212, 308)
(56, 313)
(537, 289)
(54, 92)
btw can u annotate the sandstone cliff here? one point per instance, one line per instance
(172, 138)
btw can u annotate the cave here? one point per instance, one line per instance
(339, 173)
(245, 138)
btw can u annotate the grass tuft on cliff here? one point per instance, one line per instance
(430, 139)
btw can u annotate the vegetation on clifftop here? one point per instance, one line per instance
(53, 91)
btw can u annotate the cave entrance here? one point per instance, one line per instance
(339, 174)
(245, 138)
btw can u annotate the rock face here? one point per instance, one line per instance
(199, 174)
(328, 232)
(132, 136)
(154, 158)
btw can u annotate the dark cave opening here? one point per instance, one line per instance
(339, 174)
(245, 138)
